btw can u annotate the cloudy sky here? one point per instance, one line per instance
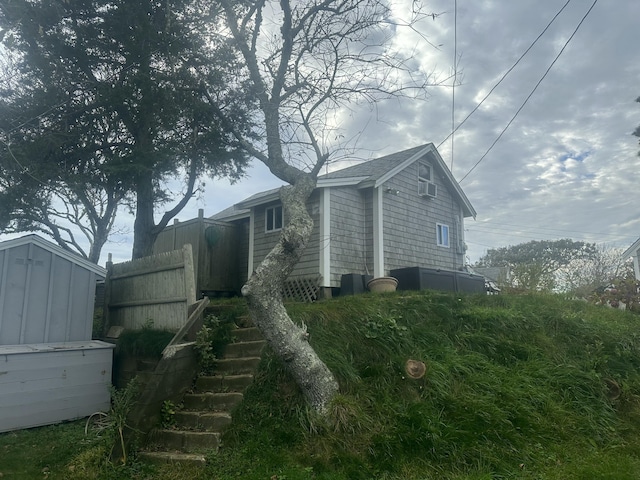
(567, 166)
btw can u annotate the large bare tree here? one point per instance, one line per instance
(306, 62)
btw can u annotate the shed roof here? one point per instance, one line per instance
(55, 249)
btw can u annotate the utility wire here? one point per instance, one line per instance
(455, 76)
(506, 73)
(532, 91)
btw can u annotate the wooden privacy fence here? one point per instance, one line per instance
(158, 289)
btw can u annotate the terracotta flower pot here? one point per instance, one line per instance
(383, 284)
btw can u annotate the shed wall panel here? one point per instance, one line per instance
(44, 384)
(44, 297)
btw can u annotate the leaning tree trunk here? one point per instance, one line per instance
(264, 297)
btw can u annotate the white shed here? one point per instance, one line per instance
(50, 369)
(46, 293)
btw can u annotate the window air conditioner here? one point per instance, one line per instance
(427, 189)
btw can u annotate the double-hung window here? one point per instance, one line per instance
(273, 218)
(442, 235)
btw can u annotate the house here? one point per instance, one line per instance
(51, 368)
(400, 210)
(633, 252)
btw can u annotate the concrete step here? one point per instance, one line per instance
(236, 366)
(248, 334)
(187, 441)
(244, 349)
(224, 383)
(244, 321)
(202, 421)
(158, 458)
(219, 402)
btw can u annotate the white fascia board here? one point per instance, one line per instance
(471, 212)
(325, 236)
(246, 213)
(340, 182)
(631, 251)
(56, 250)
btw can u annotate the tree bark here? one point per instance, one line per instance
(144, 227)
(263, 292)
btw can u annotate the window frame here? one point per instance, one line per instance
(274, 217)
(429, 170)
(443, 236)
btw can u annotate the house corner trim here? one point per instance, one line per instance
(378, 233)
(325, 236)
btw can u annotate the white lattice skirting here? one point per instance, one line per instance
(302, 289)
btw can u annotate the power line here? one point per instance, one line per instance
(455, 77)
(506, 73)
(532, 91)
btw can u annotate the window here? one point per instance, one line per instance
(426, 187)
(442, 235)
(424, 172)
(273, 218)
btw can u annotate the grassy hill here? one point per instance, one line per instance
(526, 387)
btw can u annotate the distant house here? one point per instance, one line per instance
(633, 252)
(400, 210)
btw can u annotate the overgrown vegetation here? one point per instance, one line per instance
(145, 342)
(211, 340)
(526, 387)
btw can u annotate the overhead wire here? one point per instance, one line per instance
(506, 73)
(455, 77)
(532, 91)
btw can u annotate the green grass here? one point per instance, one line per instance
(517, 387)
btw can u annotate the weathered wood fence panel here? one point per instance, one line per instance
(157, 289)
(215, 251)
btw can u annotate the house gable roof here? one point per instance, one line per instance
(374, 173)
(56, 250)
(371, 173)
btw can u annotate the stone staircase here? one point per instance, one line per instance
(206, 411)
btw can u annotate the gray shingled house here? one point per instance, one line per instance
(400, 210)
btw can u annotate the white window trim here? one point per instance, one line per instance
(440, 227)
(266, 218)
